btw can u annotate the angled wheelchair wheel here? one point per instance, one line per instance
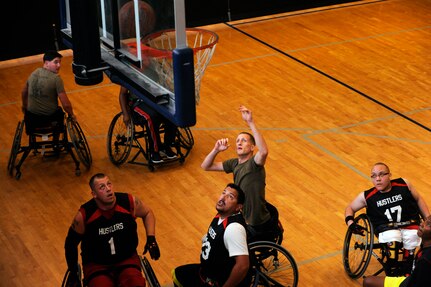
(149, 273)
(357, 249)
(272, 265)
(120, 140)
(185, 141)
(16, 145)
(79, 142)
(68, 282)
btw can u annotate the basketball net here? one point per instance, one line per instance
(159, 46)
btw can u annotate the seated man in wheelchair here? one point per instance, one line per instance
(40, 97)
(144, 115)
(224, 259)
(421, 276)
(394, 208)
(106, 228)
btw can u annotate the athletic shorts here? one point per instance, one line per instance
(409, 237)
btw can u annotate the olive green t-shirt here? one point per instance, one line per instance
(43, 89)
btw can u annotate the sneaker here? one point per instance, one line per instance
(169, 153)
(155, 158)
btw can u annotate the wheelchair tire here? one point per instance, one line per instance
(120, 139)
(272, 265)
(79, 142)
(150, 276)
(357, 249)
(16, 145)
(185, 141)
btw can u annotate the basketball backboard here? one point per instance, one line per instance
(113, 37)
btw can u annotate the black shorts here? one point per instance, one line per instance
(54, 121)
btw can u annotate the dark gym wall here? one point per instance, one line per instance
(27, 26)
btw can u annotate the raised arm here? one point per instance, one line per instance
(209, 164)
(262, 153)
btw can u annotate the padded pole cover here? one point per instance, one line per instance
(84, 18)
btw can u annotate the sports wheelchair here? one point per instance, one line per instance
(358, 249)
(271, 264)
(121, 139)
(50, 141)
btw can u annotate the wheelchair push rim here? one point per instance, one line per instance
(357, 249)
(79, 142)
(120, 139)
(272, 265)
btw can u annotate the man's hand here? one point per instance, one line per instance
(357, 229)
(221, 144)
(152, 247)
(246, 114)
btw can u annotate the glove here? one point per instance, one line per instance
(152, 247)
(357, 229)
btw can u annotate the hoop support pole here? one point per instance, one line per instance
(180, 23)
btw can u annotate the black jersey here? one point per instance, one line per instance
(215, 261)
(110, 236)
(397, 205)
(421, 276)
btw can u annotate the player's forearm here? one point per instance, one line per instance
(208, 162)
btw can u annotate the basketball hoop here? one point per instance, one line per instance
(159, 47)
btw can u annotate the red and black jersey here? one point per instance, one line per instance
(110, 236)
(397, 205)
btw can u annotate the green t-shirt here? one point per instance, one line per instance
(251, 178)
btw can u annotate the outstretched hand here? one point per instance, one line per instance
(222, 144)
(152, 247)
(357, 229)
(246, 114)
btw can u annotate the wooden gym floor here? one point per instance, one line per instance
(333, 91)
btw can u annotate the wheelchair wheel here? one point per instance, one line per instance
(79, 142)
(185, 141)
(358, 248)
(16, 144)
(149, 273)
(272, 265)
(120, 140)
(67, 282)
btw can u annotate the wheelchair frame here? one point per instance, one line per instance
(121, 139)
(42, 139)
(358, 249)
